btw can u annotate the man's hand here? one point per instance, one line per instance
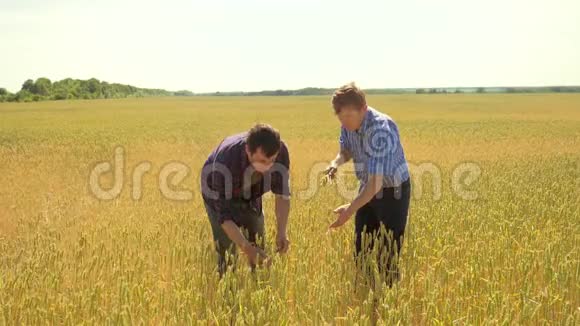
(343, 214)
(282, 243)
(256, 256)
(330, 172)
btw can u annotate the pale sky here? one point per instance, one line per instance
(248, 45)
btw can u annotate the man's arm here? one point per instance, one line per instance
(281, 189)
(282, 212)
(235, 234)
(373, 186)
(342, 157)
(344, 212)
(376, 173)
(222, 184)
(344, 154)
(255, 255)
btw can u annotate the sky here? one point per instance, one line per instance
(252, 45)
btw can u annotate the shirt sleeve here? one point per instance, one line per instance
(380, 152)
(220, 203)
(378, 165)
(220, 187)
(281, 173)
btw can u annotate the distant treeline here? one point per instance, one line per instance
(451, 90)
(43, 89)
(542, 89)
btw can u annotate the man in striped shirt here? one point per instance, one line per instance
(371, 139)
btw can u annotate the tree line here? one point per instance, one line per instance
(373, 91)
(530, 89)
(43, 89)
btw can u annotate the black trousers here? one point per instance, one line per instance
(379, 230)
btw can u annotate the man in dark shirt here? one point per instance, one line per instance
(234, 178)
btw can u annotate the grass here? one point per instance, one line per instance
(509, 256)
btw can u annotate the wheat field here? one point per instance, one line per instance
(508, 255)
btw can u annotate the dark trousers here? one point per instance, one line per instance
(379, 230)
(248, 219)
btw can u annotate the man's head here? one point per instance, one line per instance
(262, 146)
(350, 106)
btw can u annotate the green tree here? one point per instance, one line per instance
(94, 87)
(42, 87)
(24, 96)
(28, 85)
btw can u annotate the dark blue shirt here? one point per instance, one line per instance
(227, 175)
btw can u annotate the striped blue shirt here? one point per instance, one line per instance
(376, 149)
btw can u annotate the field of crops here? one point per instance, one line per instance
(507, 253)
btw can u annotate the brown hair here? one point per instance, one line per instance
(264, 136)
(347, 95)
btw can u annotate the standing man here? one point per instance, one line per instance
(234, 178)
(371, 139)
